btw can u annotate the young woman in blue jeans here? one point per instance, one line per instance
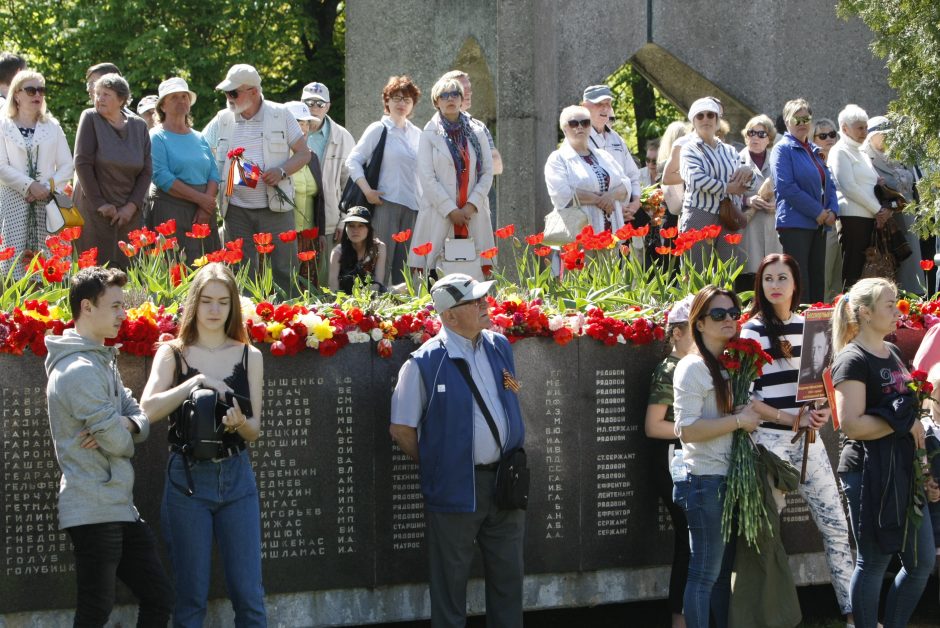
(876, 408)
(211, 351)
(705, 420)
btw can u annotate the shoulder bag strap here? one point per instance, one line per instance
(465, 371)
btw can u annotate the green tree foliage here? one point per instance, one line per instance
(642, 112)
(291, 43)
(907, 37)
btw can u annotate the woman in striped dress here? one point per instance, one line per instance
(779, 329)
(711, 170)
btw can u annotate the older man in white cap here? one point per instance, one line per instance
(598, 99)
(460, 389)
(331, 143)
(269, 134)
(146, 109)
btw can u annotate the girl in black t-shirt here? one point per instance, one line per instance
(876, 408)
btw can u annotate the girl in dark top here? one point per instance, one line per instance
(660, 426)
(359, 255)
(876, 408)
(775, 324)
(211, 351)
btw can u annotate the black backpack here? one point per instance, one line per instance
(199, 425)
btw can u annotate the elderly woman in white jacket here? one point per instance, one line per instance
(856, 178)
(593, 175)
(33, 150)
(455, 171)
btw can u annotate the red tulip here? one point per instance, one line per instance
(402, 236)
(311, 234)
(288, 236)
(70, 234)
(384, 348)
(926, 265)
(669, 233)
(199, 231)
(263, 249)
(489, 253)
(535, 239)
(505, 232)
(424, 249)
(733, 238)
(543, 251)
(167, 228)
(262, 238)
(278, 349)
(306, 256)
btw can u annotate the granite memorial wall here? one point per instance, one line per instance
(341, 505)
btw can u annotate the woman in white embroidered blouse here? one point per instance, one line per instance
(593, 175)
(33, 150)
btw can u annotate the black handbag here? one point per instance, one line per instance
(897, 241)
(512, 472)
(352, 194)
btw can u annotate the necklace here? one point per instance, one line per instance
(215, 348)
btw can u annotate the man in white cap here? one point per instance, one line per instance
(331, 143)
(457, 451)
(269, 134)
(147, 108)
(598, 100)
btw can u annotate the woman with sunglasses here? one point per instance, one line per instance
(33, 150)
(705, 421)
(825, 135)
(711, 171)
(760, 235)
(575, 169)
(774, 323)
(455, 172)
(880, 414)
(807, 205)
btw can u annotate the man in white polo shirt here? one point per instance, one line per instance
(269, 134)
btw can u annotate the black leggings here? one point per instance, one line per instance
(855, 238)
(662, 485)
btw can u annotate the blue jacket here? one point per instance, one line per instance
(445, 447)
(796, 181)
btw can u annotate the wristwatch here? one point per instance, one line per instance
(283, 173)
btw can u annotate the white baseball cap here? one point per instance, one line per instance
(299, 110)
(315, 90)
(147, 103)
(238, 75)
(680, 310)
(457, 288)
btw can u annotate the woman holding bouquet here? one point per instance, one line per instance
(705, 421)
(775, 324)
(877, 408)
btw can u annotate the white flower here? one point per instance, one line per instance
(309, 320)
(376, 334)
(556, 322)
(357, 336)
(312, 342)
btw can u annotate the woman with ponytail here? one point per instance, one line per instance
(878, 411)
(705, 420)
(774, 323)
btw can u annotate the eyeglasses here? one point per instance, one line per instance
(760, 134)
(719, 314)
(32, 91)
(583, 123)
(802, 119)
(401, 99)
(233, 93)
(831, 135)
(474, 302)
(701, 115)
(449, 95)
(316, 104)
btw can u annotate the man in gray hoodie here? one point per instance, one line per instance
(95, 422)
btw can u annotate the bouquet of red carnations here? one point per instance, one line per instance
(744, 359)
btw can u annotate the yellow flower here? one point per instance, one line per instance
(322, 330)
(56, 313)
(200, 262)
(275, 329)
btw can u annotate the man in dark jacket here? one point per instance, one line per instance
(458, 448)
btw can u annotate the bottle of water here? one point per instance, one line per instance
(677, 466)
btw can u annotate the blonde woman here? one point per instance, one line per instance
(880, 414)
(760, 235)
(33, 149)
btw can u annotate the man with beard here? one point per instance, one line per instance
(268, 133)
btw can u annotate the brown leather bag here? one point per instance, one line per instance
(730, 215)
(879, 262)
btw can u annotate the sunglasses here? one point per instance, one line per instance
(831, 135)
(583, 123)
(32, 91)
(449, 95)
(473, 302)
(802, 119)
(233, 93)
(760, 134)
(711, 115)
(318, 104)
(719, 314)
(650, 162)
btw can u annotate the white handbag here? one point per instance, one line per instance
(562, 225)
(459, 256)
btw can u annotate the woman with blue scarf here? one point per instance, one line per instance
(455, 170)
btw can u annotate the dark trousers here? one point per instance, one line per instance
(855, 238)
(499, 534)
(105, 552)
(679, 574)
(808, 248)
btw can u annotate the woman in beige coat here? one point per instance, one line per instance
(455, 169)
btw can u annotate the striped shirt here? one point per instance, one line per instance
(777, 386)
(705, 172)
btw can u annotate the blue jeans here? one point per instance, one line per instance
(223, 508)
(852, 486)
(708, 590)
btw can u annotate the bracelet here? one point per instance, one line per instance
(737, 419)
(777, 420)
